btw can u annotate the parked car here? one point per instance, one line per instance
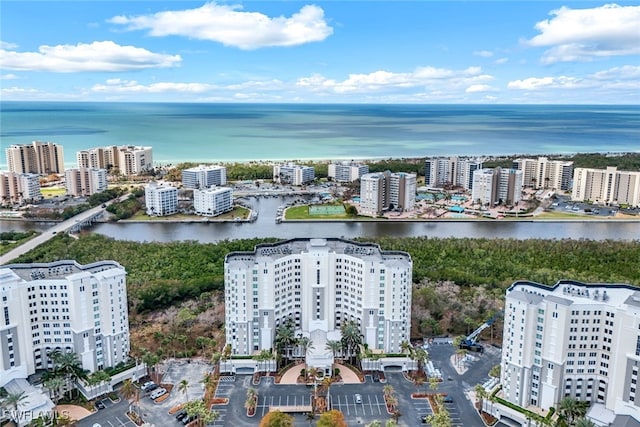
(145, 386)
(100, 405)
(157, 393)
(447, 399)
(358, 398)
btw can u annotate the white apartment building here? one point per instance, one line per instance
(160, 200)
(293, 174)
(42, 158)
(319, 284)
(347, 171)
(128, 159)
(204, 176)
(573, 339)
(609, 186)
(380, 191)
(212, 201)
(545, 173)
(454, 171)
(62, 306)
(18, 187)
(85, 181)
(497, 186)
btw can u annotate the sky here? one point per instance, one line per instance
(426, 52)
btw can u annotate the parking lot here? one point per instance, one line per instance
(341, 396)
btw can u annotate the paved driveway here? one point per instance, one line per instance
(114, 415)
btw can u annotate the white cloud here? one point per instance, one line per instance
(625, 78)
(231, 26)
(483, 53)
(619, 73)
(561, 82)
(118, 86)
(479, 88)
(7, 45)
(8, 77)
(584, 34)
(501, 61)
(97, 56)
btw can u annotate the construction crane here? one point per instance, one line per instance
(470, 342)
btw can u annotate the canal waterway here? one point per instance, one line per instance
(265, 226)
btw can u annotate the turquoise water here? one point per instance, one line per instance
(244, 132)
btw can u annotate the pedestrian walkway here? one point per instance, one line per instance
(73, 411)
(347, 374)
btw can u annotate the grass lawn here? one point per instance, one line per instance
(49, 192)
(567, 215)
(302, 212)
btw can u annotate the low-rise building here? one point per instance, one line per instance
(160, 200)
(347, 171)
(293, 174)
(204, 176)
(85, 181)
(19, 187)
(212, 201)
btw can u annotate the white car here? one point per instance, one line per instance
(157, 393)
(358, 398)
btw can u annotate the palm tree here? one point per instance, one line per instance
(481, 394)
(130, 392)
(351, 338)
(13, 401)
(422, 357)
(584, 422)
(569, 408)
(405, 347)
(305, 345)
(285, 339)
(252, 401)
(68, 365)
(54, 384)
(184, 388)
(334, 347)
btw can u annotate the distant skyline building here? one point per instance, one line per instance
(42, 158)
(160, 200)
(212, 201)
(62, 306)
(573, 339)
(381, 191)
(18, 187)
(607, 186)
(128, 159)
(454, 171)
(494, 186)
(347, 171)
(293, 174)
(85, 181)
(319, 284)
(204, 176)
(544, 173)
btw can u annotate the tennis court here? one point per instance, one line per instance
(326, 210)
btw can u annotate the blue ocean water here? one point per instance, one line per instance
(253, 132)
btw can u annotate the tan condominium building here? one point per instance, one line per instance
(347, 171)
(85, 181)
(441, 172)
(573, 339)
(127, 159)
(497, 186)
(19, 187)
(318, 284)
(545, 173)
(608, 186)
(382, 191)
(42, 158)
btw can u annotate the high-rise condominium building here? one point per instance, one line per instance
(380, 191)
(545, 173)
(62, 306)
(85, 181)
(319, 284)
(204, 176)
(160, 200)
(497, 186)
(347, 171)
(450, 171)
(606, 186)
(573, 339)
(212, 201)
(293, 174)
(128, 159)
(19, 187)
(41, 158)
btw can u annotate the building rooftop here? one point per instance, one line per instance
(55, 270)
